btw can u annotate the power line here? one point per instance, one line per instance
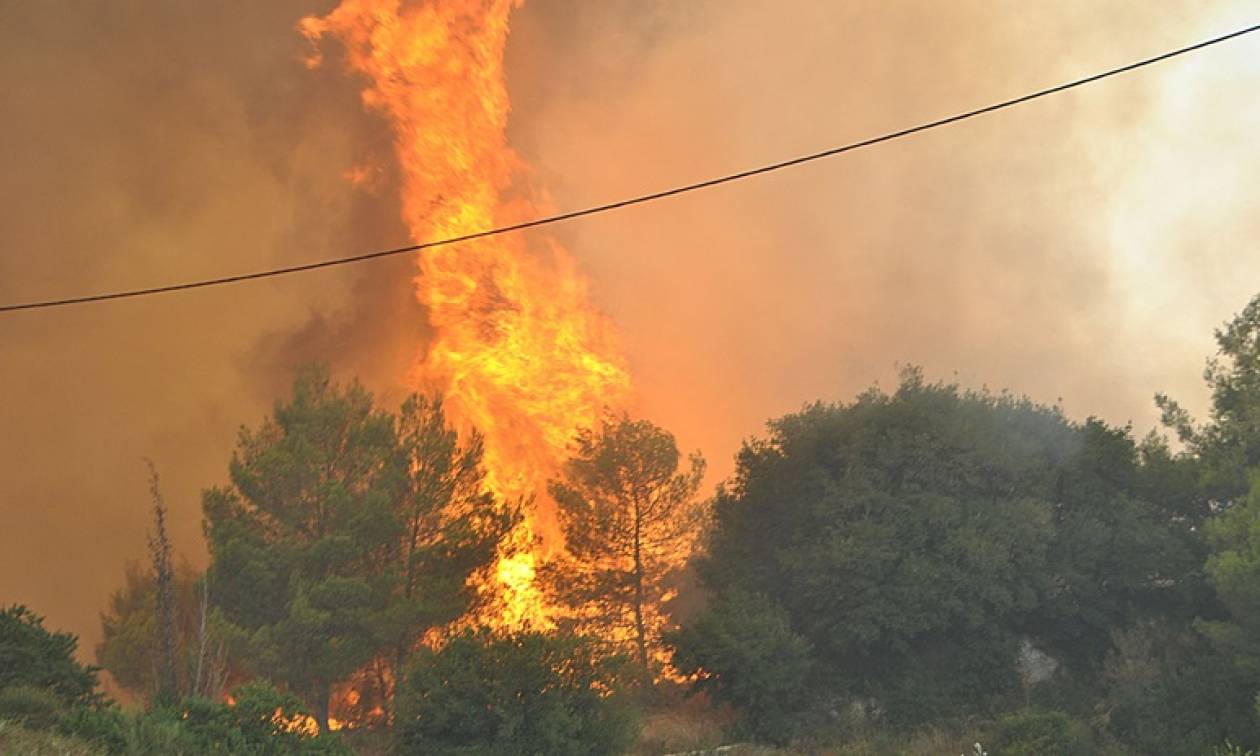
(638, 200)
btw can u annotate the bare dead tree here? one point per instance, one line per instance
(164, 575)
(210, 672)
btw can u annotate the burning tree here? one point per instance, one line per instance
(517, 348)
(629, 517)
(453, 527)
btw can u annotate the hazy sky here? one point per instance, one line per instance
(1080, 248)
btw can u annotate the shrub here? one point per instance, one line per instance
(1174, 691)
(104, 727)
(262, 720)
(1035, 732)
(16, 739)
(745, 653)
(525, 693)
(33, 708)
(33, 656)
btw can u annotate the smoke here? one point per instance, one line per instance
(1082, 247)
(147, 143)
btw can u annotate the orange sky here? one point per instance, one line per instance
(1081, 248)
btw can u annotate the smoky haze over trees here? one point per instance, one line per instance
(1079, 251)
(915, 570)
(214, 149)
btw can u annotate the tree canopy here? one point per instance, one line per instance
(32, 656)
(345, 533)
(629, 516)
(913, 539)
(513, 695)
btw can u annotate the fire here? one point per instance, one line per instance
(519, 352)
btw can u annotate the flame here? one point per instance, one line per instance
(519, 352)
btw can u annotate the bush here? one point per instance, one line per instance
(1175, 692)
(912, 539)
(18, 740)
(33, 708)
(262, 720)
(745, 653)
(104, 727)
(528, 693)
(1035, 732)
(33, 656)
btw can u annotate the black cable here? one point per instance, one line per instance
(639, 200)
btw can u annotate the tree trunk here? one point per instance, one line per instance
(322, 699)
(640, 630)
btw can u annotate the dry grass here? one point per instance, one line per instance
(678, 732)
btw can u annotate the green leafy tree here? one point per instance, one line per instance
(1234, 566)
(302, 541)
(1116, 557)
(347, 534)
(742, 650)
(452, 528)
(523, 694)
(1228, 444)
(1234, 571)
(1172, 689)
(31, 656)
(629, 517)
(911, 539)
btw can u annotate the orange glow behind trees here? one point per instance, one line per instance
(518, 351)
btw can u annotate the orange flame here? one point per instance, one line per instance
(519, 352)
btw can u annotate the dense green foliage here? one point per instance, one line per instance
(1234, 571)
(295, 539)
(1171, 690)
(912, 539)
(17, 740)
(1227, 446)
(31, 656)
(49, 704)
(1036, 733)
(452, 528)
(751, 657)
(260, 721)
(32, 707)
(525, 694)
(319, 548)
(909, 572)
